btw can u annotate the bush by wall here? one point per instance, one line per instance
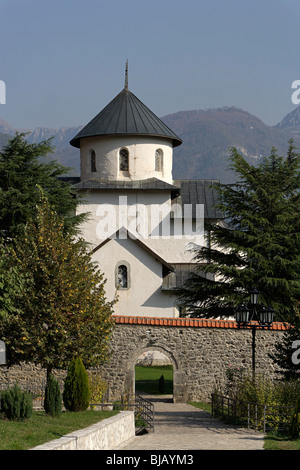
(76, 394)
(15, 404)
(53, 400)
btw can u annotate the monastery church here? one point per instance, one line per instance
(142, 224)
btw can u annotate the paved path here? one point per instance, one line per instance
(179, 426)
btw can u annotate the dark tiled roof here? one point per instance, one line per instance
(199, 192)
(147, 184)
(126, 115)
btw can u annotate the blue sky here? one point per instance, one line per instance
(63, 61)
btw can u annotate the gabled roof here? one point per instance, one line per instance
(126, 115)
(139, 242)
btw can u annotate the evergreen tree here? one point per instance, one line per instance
(287, 350)
(52, 400)
(61, 305)
(257, 243)
(76, 394)
(24, 167)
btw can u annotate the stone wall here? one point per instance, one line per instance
(199, 350)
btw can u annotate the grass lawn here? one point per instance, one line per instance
(41, 428)
(147, 377)
(281, 442)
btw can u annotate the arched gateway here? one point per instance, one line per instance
(178, 390)
(200, 351)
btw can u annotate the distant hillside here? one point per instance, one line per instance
(207, 135)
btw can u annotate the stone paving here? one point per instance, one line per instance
(180, 426)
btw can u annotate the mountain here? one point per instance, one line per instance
(291, 123)
(207, 135)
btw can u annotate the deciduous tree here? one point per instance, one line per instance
(61, 308)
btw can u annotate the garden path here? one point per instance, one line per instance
(180, 426)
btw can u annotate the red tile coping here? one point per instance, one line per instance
(186, 322)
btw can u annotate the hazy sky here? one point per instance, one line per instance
(63, 61)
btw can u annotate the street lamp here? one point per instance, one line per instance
(254, 316)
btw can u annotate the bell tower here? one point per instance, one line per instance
(126, 141)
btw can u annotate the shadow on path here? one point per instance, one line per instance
(180, 426)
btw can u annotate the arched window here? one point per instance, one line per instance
(158, 160)
(122, 275)
(93, 161)
(124, 160)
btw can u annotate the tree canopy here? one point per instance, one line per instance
(256, 245)
(23, 166)
(60, 309)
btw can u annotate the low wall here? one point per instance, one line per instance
(105, 435)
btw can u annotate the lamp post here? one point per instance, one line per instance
(253, 315)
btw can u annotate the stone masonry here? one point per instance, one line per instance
(199, 350)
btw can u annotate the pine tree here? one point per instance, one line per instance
(256, 245)
(24, 168)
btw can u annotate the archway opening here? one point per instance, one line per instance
(154, 374)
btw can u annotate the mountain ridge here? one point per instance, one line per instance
(207, 135)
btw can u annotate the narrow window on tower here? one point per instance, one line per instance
(93, 162)
(158, 160)
(124, 160)
(122, 275)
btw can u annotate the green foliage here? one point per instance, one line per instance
(98, 386)
(161, 384)
(277, 396)
(62, 308)
(295, 423)
(286, 349)
(76, 394)
(24, 167)
(15, 404)
(257, 245)
(53, 399)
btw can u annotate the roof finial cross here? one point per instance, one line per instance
(126, 75)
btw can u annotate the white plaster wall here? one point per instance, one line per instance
(141, 157)
(144, 297)
(106, 217)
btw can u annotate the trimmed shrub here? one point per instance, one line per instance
(15, 404)
(76, 394)
(161, 384)
(53, 400)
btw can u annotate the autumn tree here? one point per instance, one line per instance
(60, 306)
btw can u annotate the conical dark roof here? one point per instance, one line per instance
(126, 115)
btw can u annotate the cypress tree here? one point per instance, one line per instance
(76, 394)
(52, 401)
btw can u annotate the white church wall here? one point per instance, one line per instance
(144, 295)
(142, 151)
(153, 208)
